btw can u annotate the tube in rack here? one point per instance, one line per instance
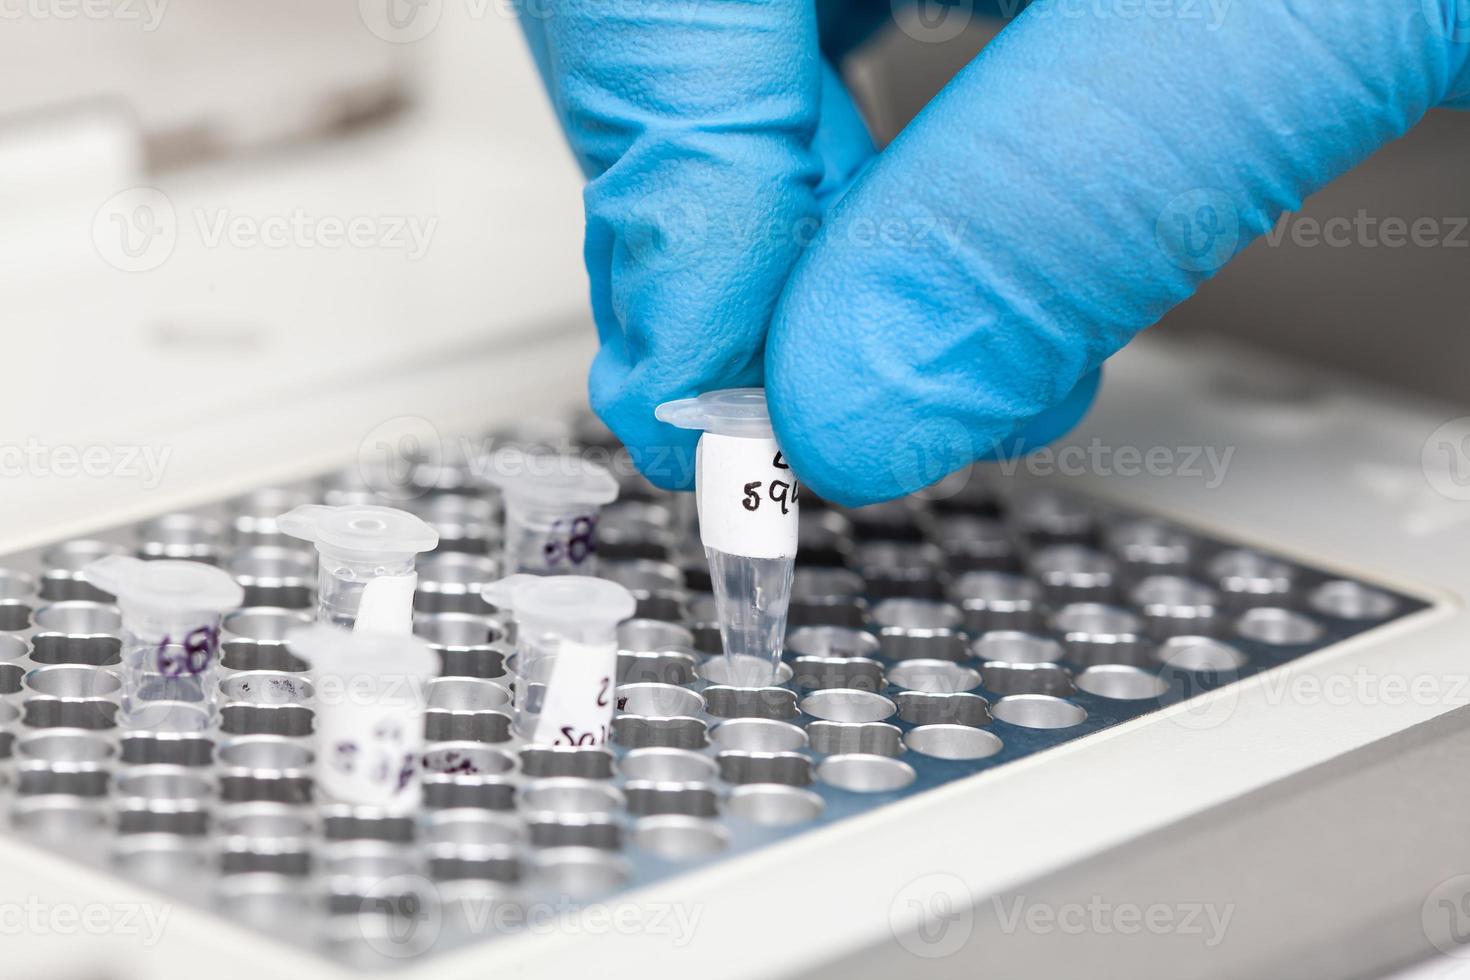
(747, 503)
(371, 694)
(171, 613)
(566, 653)
(552, 503)
(366, 559)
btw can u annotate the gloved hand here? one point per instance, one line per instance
(1093, 165)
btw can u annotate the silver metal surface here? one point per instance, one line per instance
(928, 642)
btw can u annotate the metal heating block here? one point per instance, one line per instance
(929, 640)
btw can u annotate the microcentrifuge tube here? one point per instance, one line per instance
(371, 693)
(366, 557)
(171, 613)
(552, 502)
(566, 653)
(747, 503)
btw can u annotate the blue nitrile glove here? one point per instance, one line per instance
(710, 133)
(1097, 162)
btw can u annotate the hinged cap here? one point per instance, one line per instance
(577, 600)
(553, 480)
(740, 412)
(360, 530)
(165, 587)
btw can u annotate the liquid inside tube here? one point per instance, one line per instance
(752, 597)
(378, 591)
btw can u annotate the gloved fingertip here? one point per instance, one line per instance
(847, 462)
(836, 463)
(814, 469)
(1052, 424)
(662, 453)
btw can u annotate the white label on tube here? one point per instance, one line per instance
(370, 756)
(747, 497)
(578, 706)
(387, 604)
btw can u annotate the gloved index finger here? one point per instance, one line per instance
(695, 120)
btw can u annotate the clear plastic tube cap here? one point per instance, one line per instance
(554, 480)
(360, 530)
(348, 654)
(740, 412)
(169, 587)
(572, 599)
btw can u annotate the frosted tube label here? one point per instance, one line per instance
(387, 604)
(578, 707)
(747, 497)
(371, 757)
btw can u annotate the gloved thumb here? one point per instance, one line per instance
(1085, 174)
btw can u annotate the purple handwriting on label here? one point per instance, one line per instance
(192, 657)
(571, 736)
(572, 541)
(383, 761)
(586, 732)
(344, 758)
